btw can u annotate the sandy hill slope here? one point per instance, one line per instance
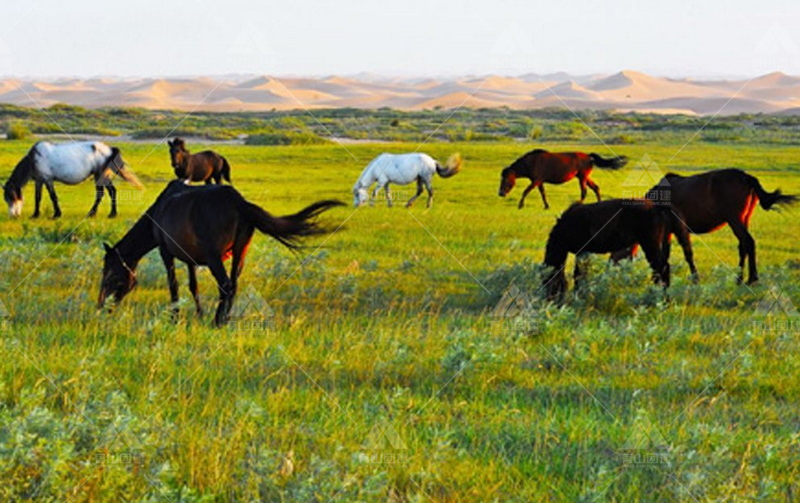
(626, 91)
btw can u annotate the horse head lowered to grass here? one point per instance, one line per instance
(69, 163)
(541, 166)
(200, 226)
(402, 169)
(606, 227)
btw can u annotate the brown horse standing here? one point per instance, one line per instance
(711, 200)
(603, 227)
(202, 167)
(541, 166)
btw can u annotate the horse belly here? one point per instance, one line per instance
(66, 168)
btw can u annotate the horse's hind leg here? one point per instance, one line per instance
(53, 198)
(112, 193)
(98, 191)
(419, 192)
(595, 188)
(225, 287)
(38, 198)
(747, 248)
(429, 188)
(193, 288)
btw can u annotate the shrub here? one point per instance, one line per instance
(17, 131)
(285, 138)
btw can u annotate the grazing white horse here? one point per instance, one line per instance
(402, 169)
(69, 163)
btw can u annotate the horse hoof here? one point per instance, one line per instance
(91, 214)
(111, 215)
(35, 215)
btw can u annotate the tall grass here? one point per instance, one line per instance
(381, 324)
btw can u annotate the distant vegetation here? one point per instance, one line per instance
(498, 124)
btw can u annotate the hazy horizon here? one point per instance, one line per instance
(89, 39)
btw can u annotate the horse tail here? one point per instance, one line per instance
(768, 199)
(453, 166)
(610, 163)
(226, 170)
(287, 229)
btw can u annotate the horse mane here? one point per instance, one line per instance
(24, 169)
(114, 154)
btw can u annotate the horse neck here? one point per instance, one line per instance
(368, 177)
(23, 171)
(138, 241)
(555, 254)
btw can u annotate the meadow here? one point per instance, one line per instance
(383, 374)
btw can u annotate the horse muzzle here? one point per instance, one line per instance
(15, 209)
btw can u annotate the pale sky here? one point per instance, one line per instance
(718, 38)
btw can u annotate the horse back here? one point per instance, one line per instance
(560, 167)
(203, 164)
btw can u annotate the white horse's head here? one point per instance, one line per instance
(13, 196)
(360, 196)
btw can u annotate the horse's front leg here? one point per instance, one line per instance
(374, 194)
(172, 280)
(525, 194)
(112, 193)
(544, 196)
(53, 198)
(388, 195)
(38, 199)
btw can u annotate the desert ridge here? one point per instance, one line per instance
(624, 91)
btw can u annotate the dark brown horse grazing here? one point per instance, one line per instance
(200, 226)
(711, 200)
(541, 166)
(603, 227)
(203, 167)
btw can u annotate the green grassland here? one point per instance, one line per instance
(388, 322)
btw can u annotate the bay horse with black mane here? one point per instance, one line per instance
(69, 163)
(200, 226)
(607, 226)
(541, 166)
(202, 167)
(711, 200)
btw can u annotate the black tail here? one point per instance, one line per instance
(226, 170)
(768, 199)
(288, 229)
(612, 163)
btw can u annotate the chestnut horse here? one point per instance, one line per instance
(200, 226)
(713, 199)
(541, 166)
(202, 167)
(604, 227)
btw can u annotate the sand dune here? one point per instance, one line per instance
(625, 91)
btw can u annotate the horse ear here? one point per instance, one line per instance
(169, 142)
(107, 247)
